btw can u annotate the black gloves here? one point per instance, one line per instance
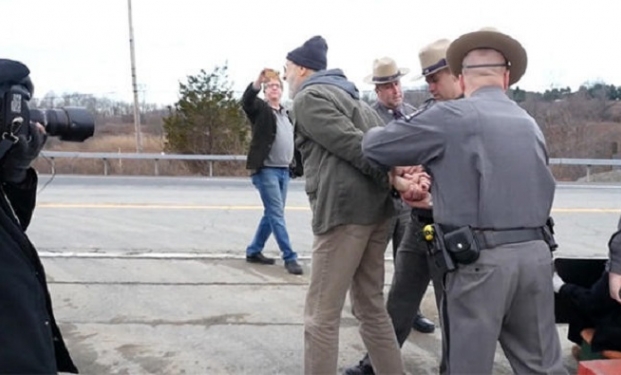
(17, 160)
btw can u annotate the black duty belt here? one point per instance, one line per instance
(422, 212)
(489, 238)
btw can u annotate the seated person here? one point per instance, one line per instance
(597, 307)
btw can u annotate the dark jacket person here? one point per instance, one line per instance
(270, 158)
(30, 341)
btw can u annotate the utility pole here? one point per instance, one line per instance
(134, 85)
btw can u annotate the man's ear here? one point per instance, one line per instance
(505, 82)
(462, 85)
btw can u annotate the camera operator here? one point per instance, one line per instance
(30, 341)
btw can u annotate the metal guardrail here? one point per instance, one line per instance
(106, 156)
(586, 162)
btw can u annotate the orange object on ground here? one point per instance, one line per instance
(600, 367)
(612, 354)
(587, 335)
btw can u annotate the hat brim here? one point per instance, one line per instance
(371, 81)
(420, 76)
(509, 47)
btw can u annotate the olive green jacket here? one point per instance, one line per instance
(341, 184)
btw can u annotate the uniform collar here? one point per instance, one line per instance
(488, 90)
(390, 110)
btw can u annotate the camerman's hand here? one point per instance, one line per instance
(17, 160)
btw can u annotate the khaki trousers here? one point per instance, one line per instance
(349, 256)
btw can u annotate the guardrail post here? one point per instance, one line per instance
(588, 176)
(53, 165)
(210, 168)
(105, 162)
(157, 169)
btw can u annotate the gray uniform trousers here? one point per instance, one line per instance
(505, 296)
(413, 271)
(410, 279)
(398, 224)
(401, 221)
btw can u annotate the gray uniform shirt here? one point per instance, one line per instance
(281, 152)
(486, 155)
(388, 114)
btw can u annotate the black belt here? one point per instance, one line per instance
(422, 212)
(490, 238)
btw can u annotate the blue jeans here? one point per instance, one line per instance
(272, 186)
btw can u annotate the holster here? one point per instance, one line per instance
(462, 245)
(548, 234)
(452, 246)
(438, 252)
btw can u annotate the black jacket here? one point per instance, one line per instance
(30, 341)
(593, 308)
(263, 122)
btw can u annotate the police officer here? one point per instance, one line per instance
(30, 341)
(492, 195)
(412, 268)
(412, 271)
(386, 76)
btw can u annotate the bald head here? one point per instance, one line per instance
(484, 67)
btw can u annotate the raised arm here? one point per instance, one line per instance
(251, 104)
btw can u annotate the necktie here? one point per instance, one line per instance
(397, 114)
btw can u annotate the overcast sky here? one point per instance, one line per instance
(83, 45)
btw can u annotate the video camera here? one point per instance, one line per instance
(73, 124)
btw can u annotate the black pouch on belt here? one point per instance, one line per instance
(462, 245)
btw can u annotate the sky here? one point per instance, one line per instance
(83, 45)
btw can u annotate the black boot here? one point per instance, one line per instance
(259, 258)
(293, 267)
(422, 324)
(362, 368)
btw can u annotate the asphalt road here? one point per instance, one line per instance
(147, 275)
(217, 217)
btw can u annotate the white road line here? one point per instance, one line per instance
(579, 186)
(140, 255)
(151, 206)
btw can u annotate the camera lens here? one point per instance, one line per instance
(74, 124)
